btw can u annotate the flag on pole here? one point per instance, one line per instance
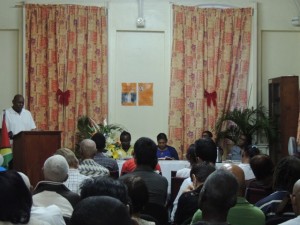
(5, 147)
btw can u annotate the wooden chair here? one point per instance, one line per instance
(175, 186)
(253, 195)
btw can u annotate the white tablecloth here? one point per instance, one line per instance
(166, 167)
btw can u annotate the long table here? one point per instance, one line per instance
(166, 167)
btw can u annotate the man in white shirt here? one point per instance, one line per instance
(295, 197)
(17, 118)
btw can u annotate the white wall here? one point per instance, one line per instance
(149, 60)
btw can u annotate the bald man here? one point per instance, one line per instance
(17, 118)
(88, 166)
(295, 197)
(243, 212)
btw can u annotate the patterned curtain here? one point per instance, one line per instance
(210, 65)
(66, 66)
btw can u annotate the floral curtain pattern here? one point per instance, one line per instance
(210, 62)
(66, 66)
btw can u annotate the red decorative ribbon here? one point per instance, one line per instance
(63, 97)
(211, 97)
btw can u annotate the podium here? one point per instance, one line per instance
(31, 149)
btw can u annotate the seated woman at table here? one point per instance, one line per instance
(165, 151)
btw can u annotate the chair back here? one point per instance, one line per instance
(175, 186)
(253, 195)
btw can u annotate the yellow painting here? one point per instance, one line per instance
(145, 94)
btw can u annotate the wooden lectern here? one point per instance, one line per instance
(31, 149)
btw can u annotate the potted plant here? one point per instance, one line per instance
(249, 121)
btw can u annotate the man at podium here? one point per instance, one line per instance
(17, 118)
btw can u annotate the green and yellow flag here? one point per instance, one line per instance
(5, 148)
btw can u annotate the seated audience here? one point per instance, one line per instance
(295, 198)
(139, 196)
(165, 151)
(74, 177)
(191, 157)
(146, 160)
(236, 150)
(249, 152)
(100, 210)
(205, 151)
(50, 214)
(130, 165)
(215, 201)
(188, 201)
(100, 158)
(52, 190)
(263, 169)
(100, 186)
(126, 149)
(16, 200)
(243, 212)
(88, 166)
(277, 205)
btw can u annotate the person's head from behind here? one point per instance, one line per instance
(56, 169)
(206, 150)
(295, 197)
(100, 210)
(18, 103)
(125, 139)
(69, 156)
(100, 141)
(145, 152)
(250, 151)
(191, 154)
(262, 166)
(207, 134)
(15, 197)
(239, 175)
(88, 149)
(287, 172)
(200, 171)
(215, 200)
(138, 192)
(100, 186)
(162, 141)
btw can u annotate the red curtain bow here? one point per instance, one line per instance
(211, 97)
(63, 97)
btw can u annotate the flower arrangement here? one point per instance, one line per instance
(87, 127)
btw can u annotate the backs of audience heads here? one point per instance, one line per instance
(201, 171)
(239, 175)
(214, 199)
(69, 156)
(250, 151)
(16, 199)
(206, 150)
(56, 169)
(262, 166)
(108, 186)
(88, 148)
(286, 173)
(100, 141)
(100, 210)
(295, 197)
(138, 192)
(191, 154)
(145, 152)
